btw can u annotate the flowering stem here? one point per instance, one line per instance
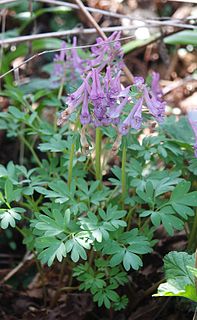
(70, 166)
(192, 243)
(123, 172)
(28, 145)
(98, 154)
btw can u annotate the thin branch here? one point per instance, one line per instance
(102, 34)
(28, 256)
(7, 1)
(105, 12)
(58, 50)
(186, 1)
(157, 37)
(69, 33)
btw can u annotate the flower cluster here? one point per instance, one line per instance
(105, 52)
(98, 97)
(59, 62)
(68, 60)
(192, 116)
(102, 100)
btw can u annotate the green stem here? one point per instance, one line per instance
(98, 154)
(192, 242)
(123, 171)
(61, 88)
(28, 145)
(70, 166)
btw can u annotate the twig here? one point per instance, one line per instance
(102, 34)
(160, 36)
(70, 32)
(26, 258)
(109, 13)
(56, 50)
(187, 1)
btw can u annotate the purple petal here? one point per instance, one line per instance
(136, 117)
(116, 113)
(155, 87)
(85, 117)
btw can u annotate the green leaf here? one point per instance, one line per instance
(9, 216)
(9, 191)
(183, 37)
(131, 260)
(180, 279)
(55, 144)
(183, 210)
(53, 248)
(180, 195)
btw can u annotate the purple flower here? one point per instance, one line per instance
(85, 117)
(155, 87)
(192, 116)
(139, 82)
(134, 119)
(76, 61)
(97, 92)
(59, 62)
(76, 97)
(97, 96)
(107, 52)
(136, 114)
(115, 113)
(155, 106)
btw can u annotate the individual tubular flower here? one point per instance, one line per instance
(85, 117)
(156, 107)
(68, 63)
(152, 96)
(192, 116)
(97, 96)
(59, 62)
(155, 87)
(78, 64)
(134, 119)
(73, 101)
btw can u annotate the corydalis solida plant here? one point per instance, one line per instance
(79, 220)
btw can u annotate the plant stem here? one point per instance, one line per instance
(123, 171)
(28, 145)
(61, 88)
(57, 294)
(98, 154)
(192, 241)
(70, 166)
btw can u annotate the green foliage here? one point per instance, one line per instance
(183, 37)
(101, 234)
(180, 275)
(102, 282)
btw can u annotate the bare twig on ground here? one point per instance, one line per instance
(26, 258)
